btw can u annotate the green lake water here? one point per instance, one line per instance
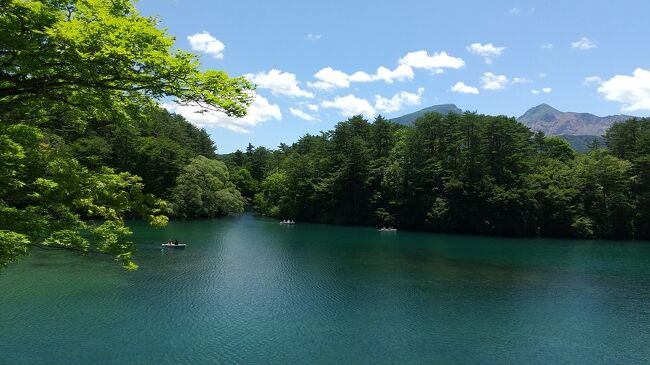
(248, 290)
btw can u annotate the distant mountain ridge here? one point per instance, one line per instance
(409, 119)
(553, 122)
(579, 129)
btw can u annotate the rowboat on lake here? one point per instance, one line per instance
(172, 245)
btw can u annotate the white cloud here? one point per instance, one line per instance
(542, 75)
(350, 105)
(488, 51)
(400, 73)
(548, 46)
(280, 83)
(314, 36)
(302, 115)
(437, 61)
(520, 80)
(312, 107)
(584, 44)
(545, 90)
(631, 91)
(461, 88)
(592, 80)
(259, 111)
(329, 78)
(206, 43)
(398, 101)
(360, 76)
(490, 81)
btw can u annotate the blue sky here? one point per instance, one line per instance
(319, 60)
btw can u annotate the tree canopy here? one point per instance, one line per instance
(204, 189)
(464, 173)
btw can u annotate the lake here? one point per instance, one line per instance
(249, 290)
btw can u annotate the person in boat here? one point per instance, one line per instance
(175, 242)
(170, 242)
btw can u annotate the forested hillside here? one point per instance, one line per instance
(464, 173)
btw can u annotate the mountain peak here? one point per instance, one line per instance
(551, 121)
(541, 111)
(409, 119)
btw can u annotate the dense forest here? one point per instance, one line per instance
(167, 152)
(466, 173)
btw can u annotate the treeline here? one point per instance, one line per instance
(176, 160)
(155, 146)
(464, 173)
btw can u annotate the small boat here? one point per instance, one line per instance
(389, 229)
(288, 222)
(171, 245)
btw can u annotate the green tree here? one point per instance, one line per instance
(630, 140)
(203, 189)
(606, 194)
(244, 181)
(273, 193)
(94, 53)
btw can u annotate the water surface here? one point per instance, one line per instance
(248, 290)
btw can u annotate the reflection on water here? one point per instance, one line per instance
(248, 290)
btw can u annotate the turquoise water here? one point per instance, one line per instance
(248, 290)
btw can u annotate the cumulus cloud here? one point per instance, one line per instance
(490, 81)
(400, 73)
(302, 115)
(259, 111)
(206, 43)
(631, 91)
(487, 51)
(329, 78)
(461, 88)
(584, 44)
(398, 101)
(548, 46)
(280, 83)
(436, 62)
(312, 107)
(350, 105)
